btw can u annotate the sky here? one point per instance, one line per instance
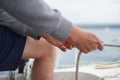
(88, 11)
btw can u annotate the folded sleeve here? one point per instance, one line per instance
(39, 16)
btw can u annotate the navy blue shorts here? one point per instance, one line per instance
(11, 49)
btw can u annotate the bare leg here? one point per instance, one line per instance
(44, 55)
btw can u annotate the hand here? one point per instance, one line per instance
(61, 45)
(84, 40)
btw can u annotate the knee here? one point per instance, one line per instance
(50, 51)
(38, 49)
(47, 50)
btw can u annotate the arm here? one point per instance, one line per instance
(81, 39)
(50, 24)
(84, 40)
(39, 16)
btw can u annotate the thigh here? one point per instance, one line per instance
(37, 48)
(11, 49)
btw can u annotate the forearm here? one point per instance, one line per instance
(39, 16)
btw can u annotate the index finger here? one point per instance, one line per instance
(100, 45)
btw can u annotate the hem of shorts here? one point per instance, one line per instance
(11, 67)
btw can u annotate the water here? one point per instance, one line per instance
(108, 33)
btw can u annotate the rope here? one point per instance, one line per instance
(112, 45)
(106, 65)
(108, 76)
(79, 54)
(77, 65)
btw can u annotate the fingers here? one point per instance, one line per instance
(91, 47)
(68, 45)
(88, 49)
(61, 46)
(100, 45)
(64, 46)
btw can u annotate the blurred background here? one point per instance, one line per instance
(101, 17)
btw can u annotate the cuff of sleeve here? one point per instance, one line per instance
(34, 35)
(63, 30)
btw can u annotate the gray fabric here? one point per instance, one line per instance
(33, 17)
(16, 26)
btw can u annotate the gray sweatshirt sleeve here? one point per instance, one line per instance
(39, 16)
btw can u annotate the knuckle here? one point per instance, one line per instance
(85, 51)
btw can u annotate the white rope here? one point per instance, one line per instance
(106, 65)
(77, 65)
(109, 76)
(111, 45)
(79, 54)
